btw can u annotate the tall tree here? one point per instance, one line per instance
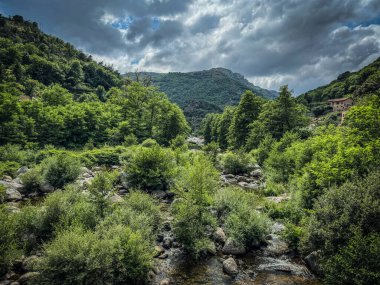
(247, 111)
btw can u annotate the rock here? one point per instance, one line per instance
(220, 236)
(166, 226)
(151, 275)
(158, 250)
(30, 262)
(164, 256)
(123, 192)
(159, 194)
(167, 243)
(96, 168)
(256, 173)
(12, 209)
(12, 184)
(114, 167)
(12, 276)
(277, 227)
(230, 267)
(313, 262)
(160, 237)
(15, 283)
(7, 178)
(46, 187)
(12, 195)
(176, 244)
(273, 265)
(278, 199)
(252, 186)
(116, 199)
(28, 277)
(276, 246)
(165, 281)
(22, 170)
(229, 176)
(231, 247)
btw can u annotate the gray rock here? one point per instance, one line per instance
(313, 262)
(22, 170)
(12, 184)
(12, 276)
(167, 243)
(273, 265)
(276, 246)
(230, 267)
(165, 281)
(159, 194)
(12, 209)
(116, 199)
(277, 228)
(166, 226)
(7, 178)
(46, 187)
(12, 195)
(220, 236)
(229, 176)
(232, 247)
(256, 173)
(163, 256)
(28, 277)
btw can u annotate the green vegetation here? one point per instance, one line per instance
(196, 184)
(201, 92)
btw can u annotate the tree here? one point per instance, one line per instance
(224, 126)
(283, 114)
(56, 95)
(247, 111)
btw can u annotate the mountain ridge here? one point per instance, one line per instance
(201, 92)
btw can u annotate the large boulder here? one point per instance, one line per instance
(232, 247)
(220, 236)
(165, 281)
(230, 267)
(46, 187)
(276, 246)
(12, 195)
(12, 184)
(21, 170)
(273, 265)
(313, 262)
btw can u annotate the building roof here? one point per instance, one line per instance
(339, 99)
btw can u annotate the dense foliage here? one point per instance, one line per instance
(51, 93)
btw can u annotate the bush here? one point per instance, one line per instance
(247, 226)
(149, 143)
(84, 257)
(8, 168)
(151, 168)
(61, 169)
(139, 211)
(236, 163)
(8, 247)
(354, 205)
(292, 234)
(196, 185)
(229, 199)
(356, 263)
(32, 179)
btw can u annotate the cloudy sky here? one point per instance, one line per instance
(302, 43)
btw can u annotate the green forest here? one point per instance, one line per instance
(102, 181)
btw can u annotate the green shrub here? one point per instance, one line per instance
(357, 263)
(247, 226)
(8, 246)
(32, 179)
(149, 143)
(229, 199)
(292, 234)
(196, 185)
(8, 168)
(61, 169)
(151, 168)
(236, 163)
(84, 257)
(2, 193)
(130, 140)
(101, 188)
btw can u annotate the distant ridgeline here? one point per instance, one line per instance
(51, 93)
(349, 84)
(201, 92)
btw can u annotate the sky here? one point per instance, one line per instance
(301, 43)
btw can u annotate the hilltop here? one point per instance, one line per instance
(348, 84)
(201, 92)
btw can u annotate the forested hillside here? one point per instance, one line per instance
(52, 93)
(201, 92)
(348, 84)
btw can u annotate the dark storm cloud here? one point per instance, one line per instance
(272, 42)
